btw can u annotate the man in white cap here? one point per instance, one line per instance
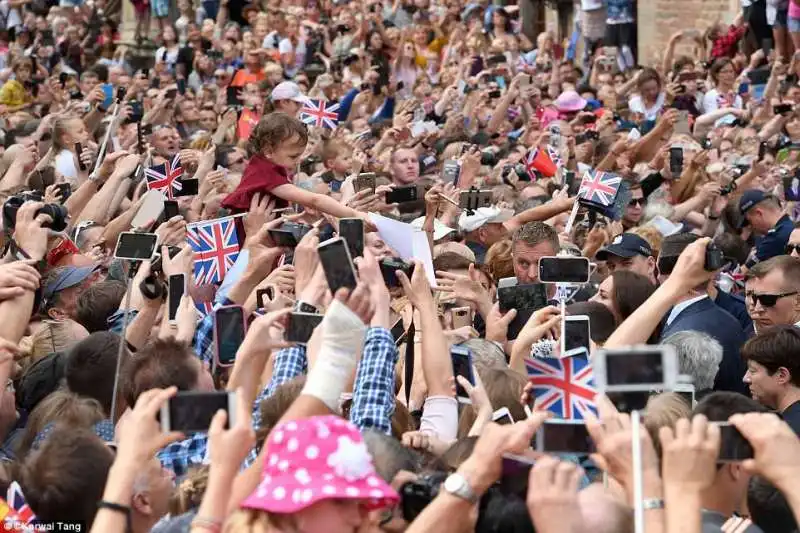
(288, 98)
(483, 228)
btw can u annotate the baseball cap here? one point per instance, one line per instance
(625, 245)
(65, 278)
(287, 90)
(749, 199)
(484, 215)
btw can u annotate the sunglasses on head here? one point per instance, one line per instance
(637, 201)
(792, 248)
(767, 300)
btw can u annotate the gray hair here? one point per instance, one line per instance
(486, 354)
(699, 356)
(654, 209)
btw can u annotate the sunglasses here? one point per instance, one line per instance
(767, 300)
(792, 248)
(637, 201)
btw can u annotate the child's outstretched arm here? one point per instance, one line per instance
(319, 202)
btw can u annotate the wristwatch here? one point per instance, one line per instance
(458, 486)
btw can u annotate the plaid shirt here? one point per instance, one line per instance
(179, 456)
(373, 394)
(725, 45)
(204, 336)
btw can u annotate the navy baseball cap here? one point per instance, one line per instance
(65, 278)
(625, 245)
(750, 198)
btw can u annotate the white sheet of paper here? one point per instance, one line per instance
(410, 243)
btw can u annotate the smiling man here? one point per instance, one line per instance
(773, 371)
(771, 292)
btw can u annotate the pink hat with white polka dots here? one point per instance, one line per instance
(317, 459)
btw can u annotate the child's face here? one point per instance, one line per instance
(287, 154)
(342, 163)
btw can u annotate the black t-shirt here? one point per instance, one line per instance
(792, 417)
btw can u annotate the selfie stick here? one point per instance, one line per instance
(102, 153)
(125, 314)
(572, 216)
(638, 489)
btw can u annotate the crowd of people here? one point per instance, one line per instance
(438, 118)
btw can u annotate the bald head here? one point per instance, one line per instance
(603, 511)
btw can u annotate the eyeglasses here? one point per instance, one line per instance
(637, 201)
(767, 300)
(792, 248)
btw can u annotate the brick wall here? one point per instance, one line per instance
(659, 19)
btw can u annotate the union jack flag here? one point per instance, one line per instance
(599, 189)
(320, 113)
(216, 247)
(555, 156)
(17, 508)
(563, 386)
(165, 177)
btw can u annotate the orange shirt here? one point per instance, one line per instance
(244, 76)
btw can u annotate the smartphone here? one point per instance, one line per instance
(301, 326)
(573, 183)
(181, 86)
(525, 299)
(502, 416)
(64, 190)
(400, 195)
(563, 437)
(686, 392)
(365, 180)
(451, 171)
(136, 246)
(137, 112)
(564, 269)
(62, 80)
(636, 368)
(188, 188)
(230, 327)
(682, 125)
(462, 366)
(762, 150)
(781, 109)
(575, 335)
(497, 59)
(475, 199)
(108, 95)
(495, 94)
(627, 402)
(78, 152)
(462, 317)
(352, 231)
(283, 238)
(171, 94)
(264, 297)
(192, 411)
(733, 446)
(151, 209)
(389, 267)
(676, 160)
(232, 97)
(337, 264)
(177, 288)
(171, 209)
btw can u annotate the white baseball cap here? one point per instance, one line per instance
(484, 215)
(287, 90)
(440, 230)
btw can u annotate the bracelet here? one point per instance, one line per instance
(118, 508)
(208, 524)
(649, 504)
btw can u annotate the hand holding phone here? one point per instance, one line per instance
(230, 327)
(337, 264)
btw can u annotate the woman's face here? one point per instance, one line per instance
(726, 76)
(292, 27)
(169, 35)
(232, 33)
(605, 295)
(498, 22)
(75, 133)
(650, 90)
(376, 41)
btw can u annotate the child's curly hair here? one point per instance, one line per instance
(272, 130)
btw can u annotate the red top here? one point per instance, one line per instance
(260, 176)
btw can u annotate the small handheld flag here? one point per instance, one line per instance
(563, 386)
(538, 160)
(320, 114)
(165, 177)
(216, 246)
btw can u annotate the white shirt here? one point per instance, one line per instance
(713, 100)
(286, 47)
(636, 104)
(65, 165)
(681, 307)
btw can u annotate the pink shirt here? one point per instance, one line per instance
(794, 9)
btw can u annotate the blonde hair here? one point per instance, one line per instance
(189, 493)
(503, 387)
(664, 410)
(60, 128)
(498, 260)
(255, 521)
(651, 235)
(53, 336)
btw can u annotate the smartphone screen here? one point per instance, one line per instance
(283, 238)
(301, 326)
(136, 246)
(337, 264)
(733, 446)
(170, 209)
(191, 412)
(264, 297)
(629, 401)
(462, 366)
(230, 331)
(177, 286)
(188, 188)
(576, 335)
(564, 269)
(365, 180)
(525, 299)
(573, 184)
(635, 368)
(676, 160)
(451, 171)
(564, 436)
(400, 195)
(78, 151)
(352, 231)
